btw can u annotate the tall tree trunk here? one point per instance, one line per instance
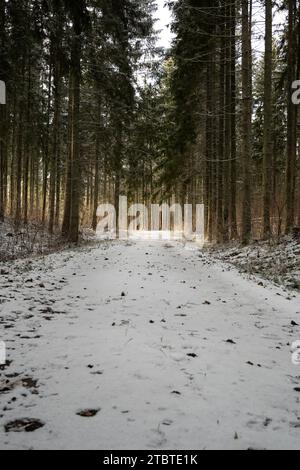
(3, 117)
(228, 117)
(3, 161)
(27, 148)
(291, 123)
(75, 144)
(55, 155)
(68, 166)
(19, 154)
(233, 170)
(268, 110)
(97, 163)
(246, 120)
(209, 153)
(221, 188)
(46, 150)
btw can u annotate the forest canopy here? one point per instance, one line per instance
(94, 109)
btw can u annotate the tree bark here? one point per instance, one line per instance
(75, 144)
(233, 162)
(291, 123)
(268, 111)
(246, 120)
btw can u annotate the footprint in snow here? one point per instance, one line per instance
(178, 357)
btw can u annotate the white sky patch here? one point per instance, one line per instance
(164, 18)
(279, 20)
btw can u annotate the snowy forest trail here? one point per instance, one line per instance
(145, 345)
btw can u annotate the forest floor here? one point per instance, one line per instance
(274, 260)
(33, 239)
(150, 345)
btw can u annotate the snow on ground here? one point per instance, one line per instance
(33, 239)
(146, 345)
(276, 261)
(22, 241)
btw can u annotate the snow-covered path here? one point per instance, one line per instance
(166, 349)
